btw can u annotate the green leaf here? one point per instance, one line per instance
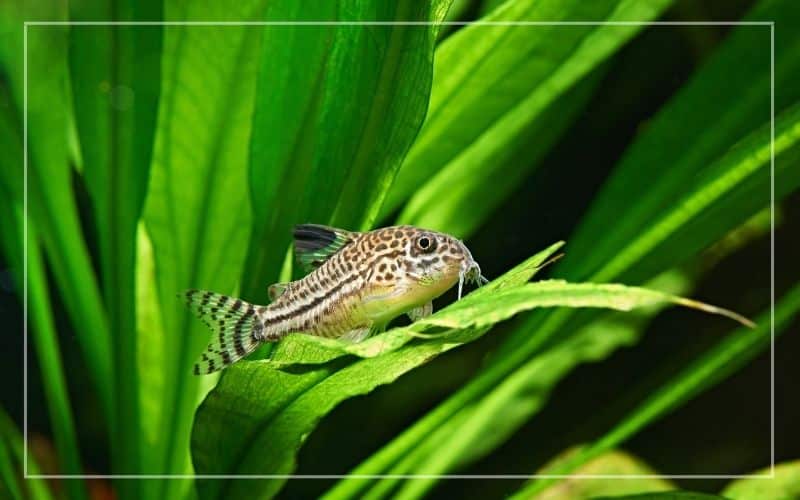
(9, 486)
(51, 205)
(498, 103)
(698, 196)
(696, 200)
(527, 389)
(785, 485)
(329, 134)
(151, 343)
(114, 77)
(730, 354)
(292, 402)
(463, 442)
(724, 194)
(11, 464)
(43, 333)
(732, 200)
(197, 212)
(613, 463)
(458, 444)
(716, 109)
(487, 309)
(665, 495)
(280, 408)
(732, 189)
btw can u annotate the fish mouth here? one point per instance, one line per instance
(470, 272)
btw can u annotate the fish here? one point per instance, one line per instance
(357, 283)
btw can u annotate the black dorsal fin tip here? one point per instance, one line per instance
(315, 243)
(313, 236)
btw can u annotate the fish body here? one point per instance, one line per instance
(358, 282)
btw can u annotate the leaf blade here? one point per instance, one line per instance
(496, 112)
(706, 371)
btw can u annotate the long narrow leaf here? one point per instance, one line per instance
(748, 157)
(492, 114)
(43, 331)
(45, 340)
(51, 203)
(705, 372)
(12, 442)
(715, 110)
(114, 77)
(9, 486)
(463, 439)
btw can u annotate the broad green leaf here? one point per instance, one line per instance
(51, 205)
(329, 134)
(730, 354)
(197, 211)
(280, 408)
(114, 78)
(785, 485)
(293, 401)
(493, 109)
(612, 463)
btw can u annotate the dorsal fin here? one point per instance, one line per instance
(314, 243)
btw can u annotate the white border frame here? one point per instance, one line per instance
(771, 475)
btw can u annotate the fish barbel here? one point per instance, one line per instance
(357, 283)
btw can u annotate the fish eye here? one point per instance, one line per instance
(426, 243)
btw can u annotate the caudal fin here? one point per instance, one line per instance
(233, 321)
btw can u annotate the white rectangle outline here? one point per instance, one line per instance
(771, 24)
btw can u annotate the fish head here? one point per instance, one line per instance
(418, 266)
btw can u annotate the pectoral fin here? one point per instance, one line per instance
(420, 312)
(358, 334)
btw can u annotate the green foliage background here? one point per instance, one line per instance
(165, 157)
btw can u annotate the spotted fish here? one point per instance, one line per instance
(356, 284)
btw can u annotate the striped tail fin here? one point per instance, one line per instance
(234, 323)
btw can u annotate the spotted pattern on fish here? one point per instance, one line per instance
(358, 282)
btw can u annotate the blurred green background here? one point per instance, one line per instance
(168, 157)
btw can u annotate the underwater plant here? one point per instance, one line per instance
(599, 171)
